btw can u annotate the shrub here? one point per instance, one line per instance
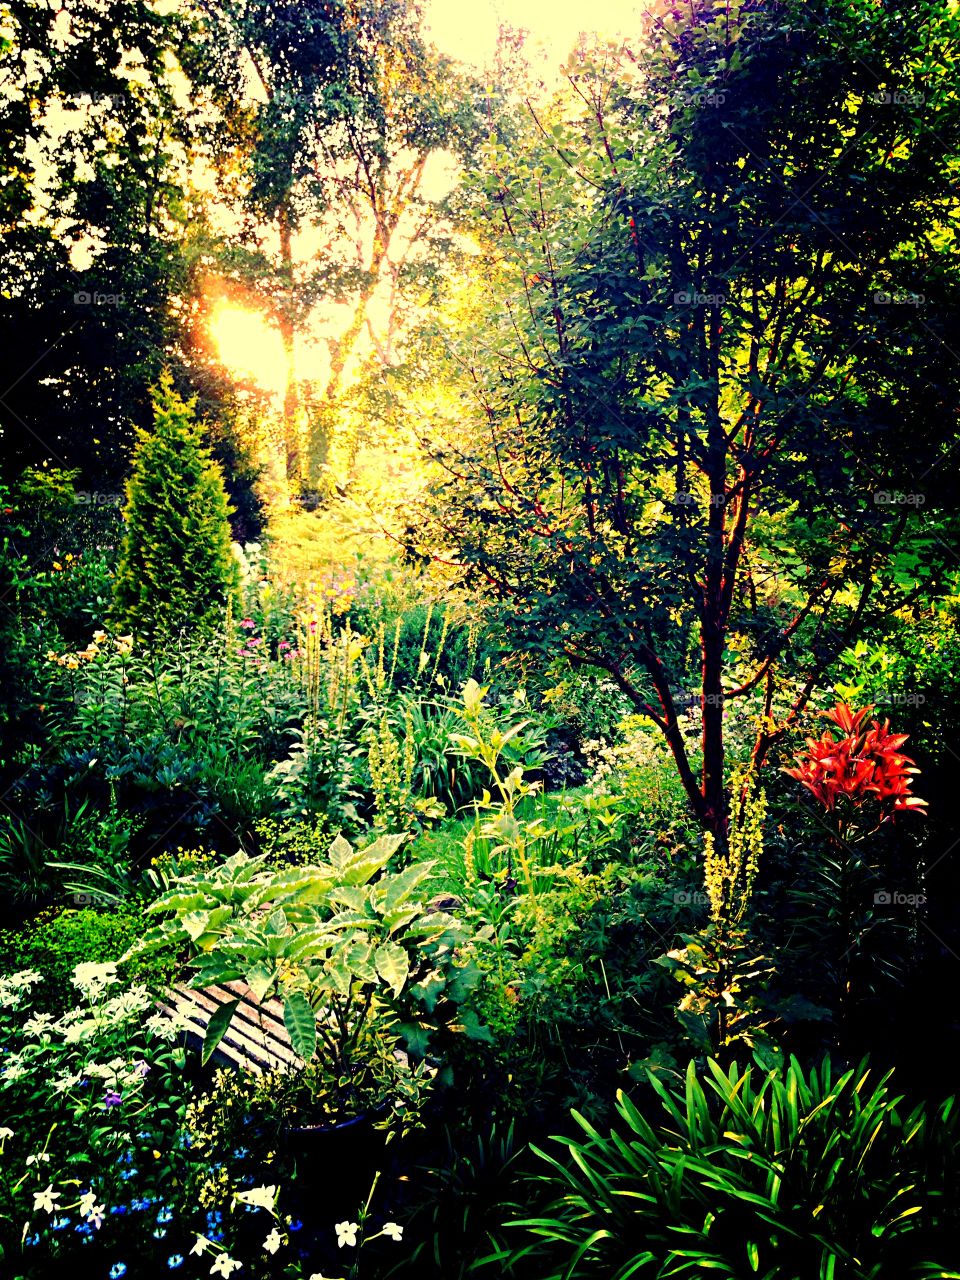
(58, 941)
(176, 565)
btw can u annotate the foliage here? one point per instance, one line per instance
(774, 1173)
(176, 565)
(56, 942)
(360, 960)
(691, 399)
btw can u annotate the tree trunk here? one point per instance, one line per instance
(291, 400)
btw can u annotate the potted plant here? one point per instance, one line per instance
(368, 972)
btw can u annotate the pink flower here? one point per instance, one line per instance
(248, 624)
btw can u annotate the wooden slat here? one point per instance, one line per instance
(257, 1039)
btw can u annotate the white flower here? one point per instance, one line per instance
(158, 1025)
(87, 1201)
(46, 1200)
(96, 1215)
(273, 1241)
(63, 1083)
(259, 1197)
(5, 1133)
(78, 1031)
(38, 1024)
(223, 1265)
(38, 1157)
(347, 1234)
(200, 1245)
(393, 1231)
(92, 978)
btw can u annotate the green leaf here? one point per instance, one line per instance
(217, 1028)
(260, 980)
(340, 852)
(393, 965)
(301, 1024)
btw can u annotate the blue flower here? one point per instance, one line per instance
(216, 1236)
(138, 1206)
(214, 1216)
(159, 1233)
(58, 1224)
(165, 1215)
(128, 1174)
(241, 1153)
(175, 1260)
(32, 1240)
(119, 1208)
(84, 1228)
(117, 1270)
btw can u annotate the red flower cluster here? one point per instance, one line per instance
(863, 765)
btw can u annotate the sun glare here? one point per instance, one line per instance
(470, 32)
(248, 346)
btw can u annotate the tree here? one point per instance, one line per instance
(99, 131)
(176, 567)
(331, 114)
(718, 393)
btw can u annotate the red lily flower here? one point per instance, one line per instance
(863, 765)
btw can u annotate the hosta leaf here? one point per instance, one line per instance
(301, 1024)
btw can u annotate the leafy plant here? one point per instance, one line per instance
(360, 960)
(773, 1173)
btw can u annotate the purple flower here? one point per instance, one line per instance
(112, 1098)
(142, 1068)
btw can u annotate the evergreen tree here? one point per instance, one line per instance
(176, 566)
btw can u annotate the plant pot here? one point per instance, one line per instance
(336, 1163)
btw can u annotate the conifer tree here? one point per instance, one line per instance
(176, 567)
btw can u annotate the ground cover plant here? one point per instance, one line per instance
(479, 587)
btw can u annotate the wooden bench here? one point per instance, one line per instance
(256, 1039)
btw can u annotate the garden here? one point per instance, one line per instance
(479, 642)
